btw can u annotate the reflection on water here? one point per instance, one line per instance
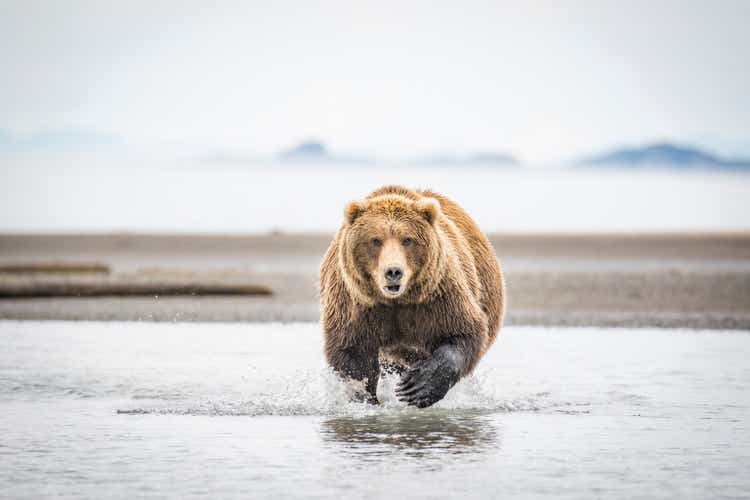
(432, 434)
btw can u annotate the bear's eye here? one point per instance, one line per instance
(376, 242)
(407, 242)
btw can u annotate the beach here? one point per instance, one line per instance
(680, 280)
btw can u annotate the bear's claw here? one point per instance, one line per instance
(427, 382)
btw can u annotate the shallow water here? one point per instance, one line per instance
(157, 194)
(232, 410)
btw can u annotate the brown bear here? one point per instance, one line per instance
(409, 279)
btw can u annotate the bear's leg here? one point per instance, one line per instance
(361, 365)
(428, 381)
(398, 360)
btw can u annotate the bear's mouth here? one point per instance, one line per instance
(393, 288)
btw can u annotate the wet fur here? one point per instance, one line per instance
(450, 313)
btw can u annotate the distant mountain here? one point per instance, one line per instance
(496, 159)
(310, 150)
(664, 155)
(317, 152)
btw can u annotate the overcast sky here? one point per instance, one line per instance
(544, 80)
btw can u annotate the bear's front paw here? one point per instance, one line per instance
(428, 381)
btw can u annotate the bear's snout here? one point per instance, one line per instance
(394, 274)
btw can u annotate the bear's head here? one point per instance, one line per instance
(391, 249)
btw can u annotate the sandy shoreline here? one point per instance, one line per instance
(673, 280)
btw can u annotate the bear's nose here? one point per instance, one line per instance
(394, 273)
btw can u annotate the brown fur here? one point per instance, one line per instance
(456, 293)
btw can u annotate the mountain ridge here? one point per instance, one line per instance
(662, 154)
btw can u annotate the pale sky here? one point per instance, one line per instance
(543, 80)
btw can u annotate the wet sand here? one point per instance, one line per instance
(674, 280)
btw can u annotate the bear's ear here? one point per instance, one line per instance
(429, 208)
(353, 210)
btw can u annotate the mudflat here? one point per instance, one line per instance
(693, 280)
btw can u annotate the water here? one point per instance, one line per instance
(152, 194)
(122, 410)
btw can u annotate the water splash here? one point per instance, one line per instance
(322, 393)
